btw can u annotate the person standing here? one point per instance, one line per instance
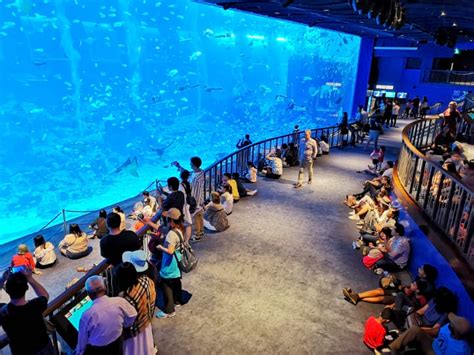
(244, 142)
(170, 272)
(395, 113)
(308, 151)
(23, 320)
(387, 114)
(117, 241)
(101, 326)
(138, 289)
(197, 180)
(416, 106)
(424, 107)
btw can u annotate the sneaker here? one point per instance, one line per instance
(297, 186)
(354, 218)
(351, 296)
(378, 271)
(195, 238)
(351, 213)
(360, 223)
(160, 314)
(310, 182)
(355, 245)
(251, 192)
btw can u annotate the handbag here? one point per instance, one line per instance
(188, 259)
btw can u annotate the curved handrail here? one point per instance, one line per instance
(442, 197)
(406, 140)
(237, 160)
(332, 133)
(68, 294)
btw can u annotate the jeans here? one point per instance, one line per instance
(172, 292)
(305, 164)
(74, 256)
(393, 120)
(387, 264)
(414, 337)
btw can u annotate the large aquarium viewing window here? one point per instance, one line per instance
(99, 97)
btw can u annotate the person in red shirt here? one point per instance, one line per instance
(25, 258)
(374, 334)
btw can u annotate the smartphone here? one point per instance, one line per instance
(16, 269)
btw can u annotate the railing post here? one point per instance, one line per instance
(64, 221)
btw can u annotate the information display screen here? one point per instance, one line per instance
(74, 315)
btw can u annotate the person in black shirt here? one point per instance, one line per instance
(244, 142)
(117, 241)
(23, 320)
(174, 199)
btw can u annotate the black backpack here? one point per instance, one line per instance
(190, 200)
(188, 259)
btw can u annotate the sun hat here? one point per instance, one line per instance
(137, 258)
(172, 213)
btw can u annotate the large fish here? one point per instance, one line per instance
(129, 166)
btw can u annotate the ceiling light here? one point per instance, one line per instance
(442, 13)
(454, 24)
(326, 10)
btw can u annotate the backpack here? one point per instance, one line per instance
(188, 260)
(190, 200)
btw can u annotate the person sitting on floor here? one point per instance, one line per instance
(251, 175)
(228, 180)
(123, 219)
(44, 253)
(274, 167)
(149, 200)
(243, 192)
(227, 199)
(443, 141)
(291, 156)
(99, 225)
(452, 338)
(386, 293)
(75, 245)
(375, 331)
(24, 258)
(396, 252)
(215, 216)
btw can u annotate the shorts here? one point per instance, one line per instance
(374, 135)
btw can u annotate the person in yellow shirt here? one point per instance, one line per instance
(227, 180)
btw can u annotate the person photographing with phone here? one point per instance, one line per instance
(23, 320)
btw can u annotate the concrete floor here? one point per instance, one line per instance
(272, 282)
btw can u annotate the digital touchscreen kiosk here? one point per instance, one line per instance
(67, 320)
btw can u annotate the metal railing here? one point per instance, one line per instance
(442, 197)
(72, 292)
(236, 162)
(448, 77)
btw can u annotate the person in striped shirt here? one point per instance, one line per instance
(197, 191)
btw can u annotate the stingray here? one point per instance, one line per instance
(160, 151)
(130, 166)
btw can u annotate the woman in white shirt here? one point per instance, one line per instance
(395, 113)
(44, 253)
(227, 199)
(123, 220)
(251, 175)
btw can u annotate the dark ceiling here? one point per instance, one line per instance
(424, 18)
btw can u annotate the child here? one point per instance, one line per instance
(227, 199)
(25, 258)
(375, 332)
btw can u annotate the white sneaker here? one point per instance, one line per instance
(354, 218)
(351, 213)
(251, 192)
(378, 271)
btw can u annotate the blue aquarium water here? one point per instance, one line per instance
(89, 85)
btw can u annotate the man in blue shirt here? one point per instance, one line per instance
(451, 339)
